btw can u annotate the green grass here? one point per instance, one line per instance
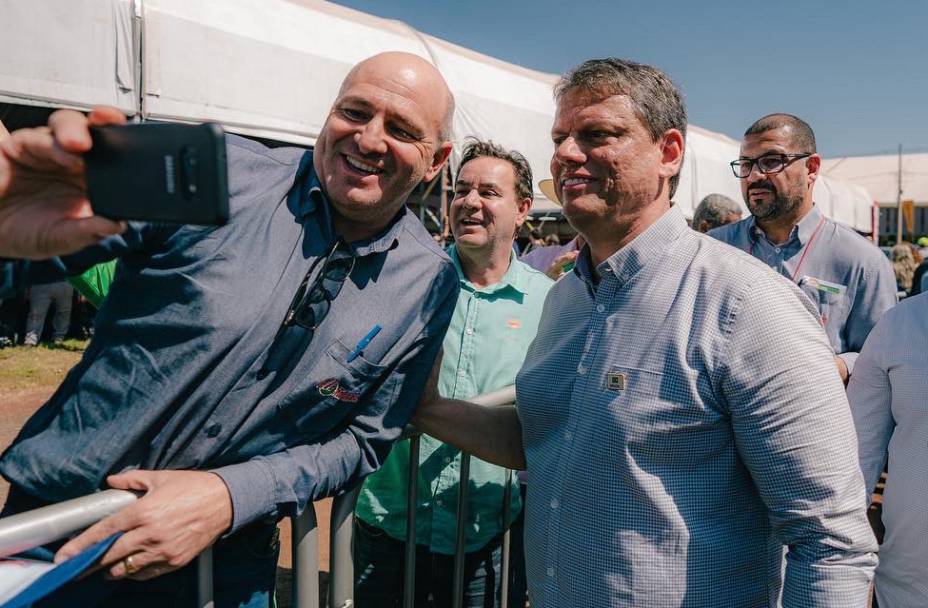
(27, 368)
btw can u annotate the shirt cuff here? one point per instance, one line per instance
(849, 359)
(252, 487)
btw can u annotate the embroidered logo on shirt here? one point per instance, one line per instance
(330, 388)
(616, 381)
(514, 323)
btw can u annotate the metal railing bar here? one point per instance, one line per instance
(503, 396)
(305, 543)
(205, 579)
(341, 565)
(460, 543)
(504, 558)
(41, 526)
(412, 490)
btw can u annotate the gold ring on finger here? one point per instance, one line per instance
(131, 567)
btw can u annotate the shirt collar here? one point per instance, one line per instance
(802, 231)
(514, 278)
(649, 246)
(313, 199)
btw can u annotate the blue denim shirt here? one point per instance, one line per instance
(178, 374)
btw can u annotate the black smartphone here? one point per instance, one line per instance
(159, 172)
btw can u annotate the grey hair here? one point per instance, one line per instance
(657, 101)
(713, 209)
(475, 148)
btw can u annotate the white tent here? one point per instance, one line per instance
(271, 68)
(879, 175)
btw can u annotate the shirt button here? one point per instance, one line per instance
(568, 435)
(554, 503)
(600, 308)
(447, 460)
(581, 370)
(777, 249)
(438, 502)
(550, 571)
(213, 430)
(461, 371)
(469, 331)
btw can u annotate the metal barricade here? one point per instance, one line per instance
(341, 589)
(41, 526)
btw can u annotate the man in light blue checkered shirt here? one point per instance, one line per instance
(679, 411)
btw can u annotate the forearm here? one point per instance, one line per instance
(283, 484)
(491, 433)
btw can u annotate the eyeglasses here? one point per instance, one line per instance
(311, 303)
(766, 164)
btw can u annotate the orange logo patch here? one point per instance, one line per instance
(514, 323)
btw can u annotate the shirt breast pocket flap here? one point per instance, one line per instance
(335, 382)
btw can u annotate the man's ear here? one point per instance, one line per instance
(438, 161)
(524, 206)
(673, 145)
(813, 164)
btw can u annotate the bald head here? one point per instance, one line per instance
(388, 130)
(413, 72)
(799, 132)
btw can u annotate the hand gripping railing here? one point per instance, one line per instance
(341, 586)
(41, 526)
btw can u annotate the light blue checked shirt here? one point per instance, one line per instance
(848, 279)
(682, 418)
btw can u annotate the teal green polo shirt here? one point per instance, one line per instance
(490, 332)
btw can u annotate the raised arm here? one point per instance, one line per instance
(491, 433)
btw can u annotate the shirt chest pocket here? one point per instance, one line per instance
(663, 417)
(334, 389)
(831, 301)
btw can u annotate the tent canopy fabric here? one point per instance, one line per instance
(271, 68)
(879, 175)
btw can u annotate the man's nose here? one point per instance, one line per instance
(755, 168)
(568, 152)
(472, 200)
(370, 138)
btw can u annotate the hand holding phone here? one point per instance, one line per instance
(159, 172)
(44, 209)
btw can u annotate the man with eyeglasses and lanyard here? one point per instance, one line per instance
(848, 279)
(236, 373)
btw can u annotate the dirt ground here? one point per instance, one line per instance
(17, 405)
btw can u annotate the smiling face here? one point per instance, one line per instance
(777, 195)
(381, 138)
(606, 166)
(486, 210)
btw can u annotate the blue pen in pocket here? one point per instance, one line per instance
(362, 344)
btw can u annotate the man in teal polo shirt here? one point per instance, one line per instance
(495, 320)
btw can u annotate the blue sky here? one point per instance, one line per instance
(857, 71)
